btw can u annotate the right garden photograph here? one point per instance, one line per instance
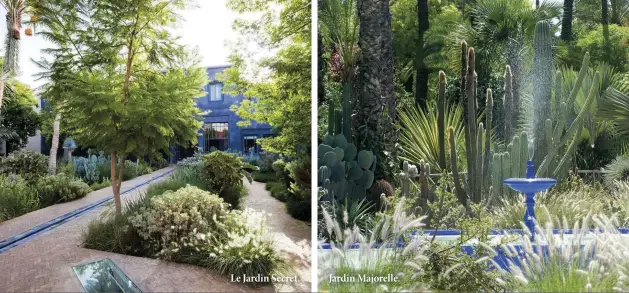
(473, 146)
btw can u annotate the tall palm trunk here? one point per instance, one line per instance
(12, 42)
(52, 159)
(615, 19)
(566, 20)
(421, 72)
(605, 22)
(377, 104)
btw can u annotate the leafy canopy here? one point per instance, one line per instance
(282, 98)
(121, 81)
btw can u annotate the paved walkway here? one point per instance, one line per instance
(44, 263)
(292, 236)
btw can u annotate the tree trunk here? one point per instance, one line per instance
(321, 66)
(114, 183)
(1, 94)
(605, 22)
(376, 113)
(462, 9)
(615, 12)
(566, 20)
(421, 81)
(52, 159)
(536, 3)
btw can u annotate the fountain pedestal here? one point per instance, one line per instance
(530, 186)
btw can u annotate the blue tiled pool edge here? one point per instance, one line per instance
(501, 259)
(29, 234)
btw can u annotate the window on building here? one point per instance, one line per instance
(216, 136)
(215, 91)
(249, 144)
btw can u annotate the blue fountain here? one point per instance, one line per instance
(529, 186)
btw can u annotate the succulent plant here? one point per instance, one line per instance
(343, 170)
(381, 187)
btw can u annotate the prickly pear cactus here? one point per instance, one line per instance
(344, 172)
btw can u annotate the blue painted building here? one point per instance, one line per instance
(220, 129)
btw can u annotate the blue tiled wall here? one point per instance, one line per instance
(220, 112)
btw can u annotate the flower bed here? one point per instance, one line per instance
(183, 220)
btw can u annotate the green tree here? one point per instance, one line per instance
(282, 98)
(19, 115)
(134, 91)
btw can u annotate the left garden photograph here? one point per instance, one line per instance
(155, 146)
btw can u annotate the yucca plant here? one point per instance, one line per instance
(420, 138)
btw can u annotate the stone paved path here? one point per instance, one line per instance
(44, 263)
(292, 236)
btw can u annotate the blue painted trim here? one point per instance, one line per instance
(32, 233)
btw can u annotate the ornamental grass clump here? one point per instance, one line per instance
(563, 262)
(378, 264)
(246, 247)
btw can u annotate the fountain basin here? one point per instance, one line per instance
(530, 185)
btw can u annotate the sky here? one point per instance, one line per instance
(208, 27)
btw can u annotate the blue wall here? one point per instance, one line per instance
(220, 112)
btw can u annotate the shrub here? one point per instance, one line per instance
(279, 167)
(190, 175)
(266, 161)
(277, 190)
(182, 221)
(190, 161)
(60, 188)
(223, 174)
(299, 203)
(260, 176)
(113, 233)
(97, 186)
(16, 197)
(28, 164)
(233, 195)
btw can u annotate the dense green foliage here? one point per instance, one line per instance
(223, 174)
(18, 115)
(282, 98)
(28, 164)
(178, 221)
(141, 82)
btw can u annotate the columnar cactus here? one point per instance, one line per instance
(441, 124)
